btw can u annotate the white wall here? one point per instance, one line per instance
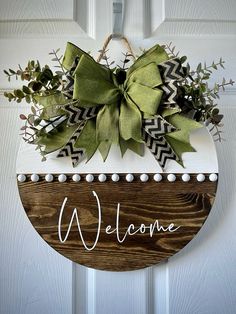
(34, 278)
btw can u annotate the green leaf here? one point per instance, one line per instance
(183, 59)
(26, 89)
(18, 93)
(36, 86)
(199, 67)
(28, 99)
(23, 117)
(33, 110)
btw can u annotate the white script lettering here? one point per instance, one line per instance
(131, 229)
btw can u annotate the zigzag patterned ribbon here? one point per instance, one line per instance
(153, 129)
(153, 133)
(158, 126)
(69, 149)
(172, 72)
(77, 115)
(69, 87)
(160, 148)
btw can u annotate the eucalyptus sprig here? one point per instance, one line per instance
(171, 50)
(41, 82)
(106, 59)
(195, 95)
(58, 59)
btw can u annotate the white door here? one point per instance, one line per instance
(34, 279)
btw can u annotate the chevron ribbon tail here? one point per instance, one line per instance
(69, 87)
(157, 127)
(160, 148)
(79, 114)
(172, 70)
(76, 154)
(170, 90)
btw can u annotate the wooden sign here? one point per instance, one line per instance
(118, 225)
(122, 214)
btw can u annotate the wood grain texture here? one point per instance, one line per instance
(184, 204)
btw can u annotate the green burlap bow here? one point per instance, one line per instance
(123, 100)
(124, 103)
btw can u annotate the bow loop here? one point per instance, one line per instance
(123, 107)
(93, 83)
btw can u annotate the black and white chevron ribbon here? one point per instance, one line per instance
(170, 90)
(171, 70)
(69, 87)
(69, 150)
(171, 73)
(77, 115)
(160, 148)
(157, 127)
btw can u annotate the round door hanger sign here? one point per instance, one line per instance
(124, 214)
(121, 171)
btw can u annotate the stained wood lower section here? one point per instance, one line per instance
(184, 204)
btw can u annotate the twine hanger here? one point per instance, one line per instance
(121, 38)
(118, 21)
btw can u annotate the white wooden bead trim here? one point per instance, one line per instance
(144, 177)
(115, 177)
(201, 177)
(34, 177)
(89, 178)
(49, 177)
(171, 177)
(76, 177)
(62, 178)
(186, 177)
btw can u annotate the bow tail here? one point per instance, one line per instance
(160, 148)
(69, 149)
(170, 93)
(69, 87)
(77, 115)
(157, 126)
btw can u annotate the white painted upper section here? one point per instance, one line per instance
(204, 160)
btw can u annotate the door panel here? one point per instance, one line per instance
(34, 278)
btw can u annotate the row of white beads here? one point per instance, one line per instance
(115, 177)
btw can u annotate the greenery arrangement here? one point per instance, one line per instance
(85, 105)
